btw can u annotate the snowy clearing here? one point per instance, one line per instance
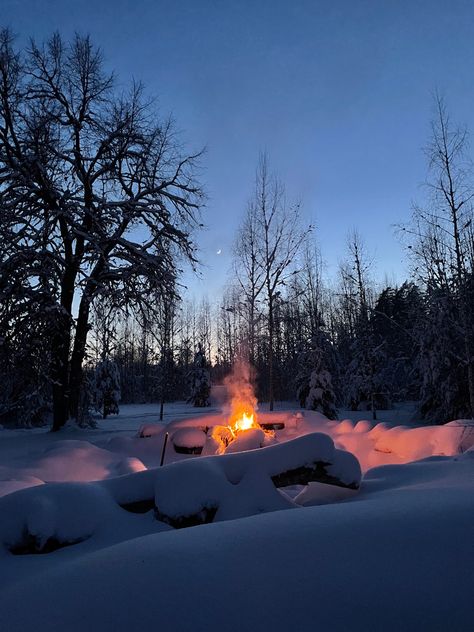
(397, 554)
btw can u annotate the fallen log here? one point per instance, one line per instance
(212, 488)
(314, 474)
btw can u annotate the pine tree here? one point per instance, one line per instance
(396, 320)
(444, 380)
(107, 388)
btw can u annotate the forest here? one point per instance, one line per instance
(100, 212)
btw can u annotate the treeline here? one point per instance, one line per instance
(346, 346)
(348, 342)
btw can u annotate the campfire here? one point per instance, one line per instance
(239, 428)
(244, 423)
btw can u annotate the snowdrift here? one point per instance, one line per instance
(397, 557)
(181, 494)
(372, 443)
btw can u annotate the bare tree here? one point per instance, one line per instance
(312, 287)
(272, 237)
(92, 187)
(229, 328)
(363, 378)
(250, 276)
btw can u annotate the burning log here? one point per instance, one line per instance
(249, 439)
(235, 485)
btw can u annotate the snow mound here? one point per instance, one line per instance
(363, 426)
(461, 434)
(383, 444)
(129, 465)
(345, 425)
(411, 444)
(45, 518)
(150, 430)
(189, 439)
(73, 460)
(244, 483)
(65, 460)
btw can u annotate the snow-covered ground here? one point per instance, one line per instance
(398, 554)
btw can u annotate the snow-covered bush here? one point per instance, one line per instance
(107, 388)
(200, 380)
(321, 394)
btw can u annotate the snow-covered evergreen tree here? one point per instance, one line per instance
(365, 387)
(397, 320)
(444, 389)
(84, 417)
(200, 380)
(107, 388)
(24, 361)
(314, 382)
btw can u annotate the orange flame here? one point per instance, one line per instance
(244, 423)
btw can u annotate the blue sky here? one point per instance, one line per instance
(339, 93)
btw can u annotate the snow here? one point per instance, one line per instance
(396, 557)
(397, 554)
(189, 438)
(322, 494)
(236, 485)
(67, 460)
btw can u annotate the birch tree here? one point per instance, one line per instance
(272, 236)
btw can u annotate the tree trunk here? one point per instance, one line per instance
(470, 379)
(59, 374)
(78, 354)
(270, 353)
(60, 346)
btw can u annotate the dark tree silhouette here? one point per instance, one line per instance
(96, 196)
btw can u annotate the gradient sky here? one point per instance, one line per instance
(338, 92)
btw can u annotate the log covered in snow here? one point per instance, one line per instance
(235, 485)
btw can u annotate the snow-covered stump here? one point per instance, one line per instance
(229, 486)
(188, 440)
